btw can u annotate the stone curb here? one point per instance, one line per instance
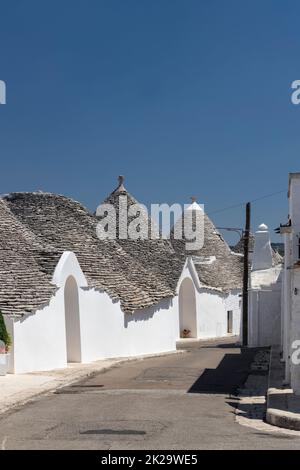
(283, 419)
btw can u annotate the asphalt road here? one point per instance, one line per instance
(180, 401)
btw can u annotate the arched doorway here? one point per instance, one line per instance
(72, 320)
(187, 308)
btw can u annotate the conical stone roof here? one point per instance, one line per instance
(155, 254)
(138, 274)
(216, 265)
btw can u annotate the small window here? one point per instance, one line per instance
(229, 321)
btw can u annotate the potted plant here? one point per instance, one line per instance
(5, 343)
(186, 333)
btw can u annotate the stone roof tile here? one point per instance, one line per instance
(57, 224)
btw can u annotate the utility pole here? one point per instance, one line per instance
(246, 274)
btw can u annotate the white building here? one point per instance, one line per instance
(290, 315)
(264, 319)
(274, 299)
(219, 279)
(69, 297)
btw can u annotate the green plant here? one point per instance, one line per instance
(4, 335)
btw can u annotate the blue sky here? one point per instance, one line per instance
(182, 97)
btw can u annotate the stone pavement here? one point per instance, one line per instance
(252, 406)
(252, 397)
(283, 406)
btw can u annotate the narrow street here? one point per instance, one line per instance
(179, 401)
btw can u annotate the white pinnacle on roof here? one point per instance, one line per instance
(263, 228)
(262, 254)
(194, 206)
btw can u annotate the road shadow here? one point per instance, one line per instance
(224, 346)
(249, 410)
(231, 374)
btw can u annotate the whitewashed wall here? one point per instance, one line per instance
(188, 272)
(188, 308)
(295, 330)
(265, 294)
(212, 313)
(107, 332)
(212, 306)
(264, 325)
(39, 341)
(294, 211)
(292, 280)
(286, 305)
(233, 301)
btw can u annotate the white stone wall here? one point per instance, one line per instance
(294, 211)
(39, 341)
(264, 322)
(233, 301)
(212, 308)
(188, 308)
(265, 325)
(291, 281)
(286, 306)
(295, 329)
(265, 294)
(107, 332)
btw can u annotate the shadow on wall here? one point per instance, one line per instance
(229, 375)
(148, 313)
